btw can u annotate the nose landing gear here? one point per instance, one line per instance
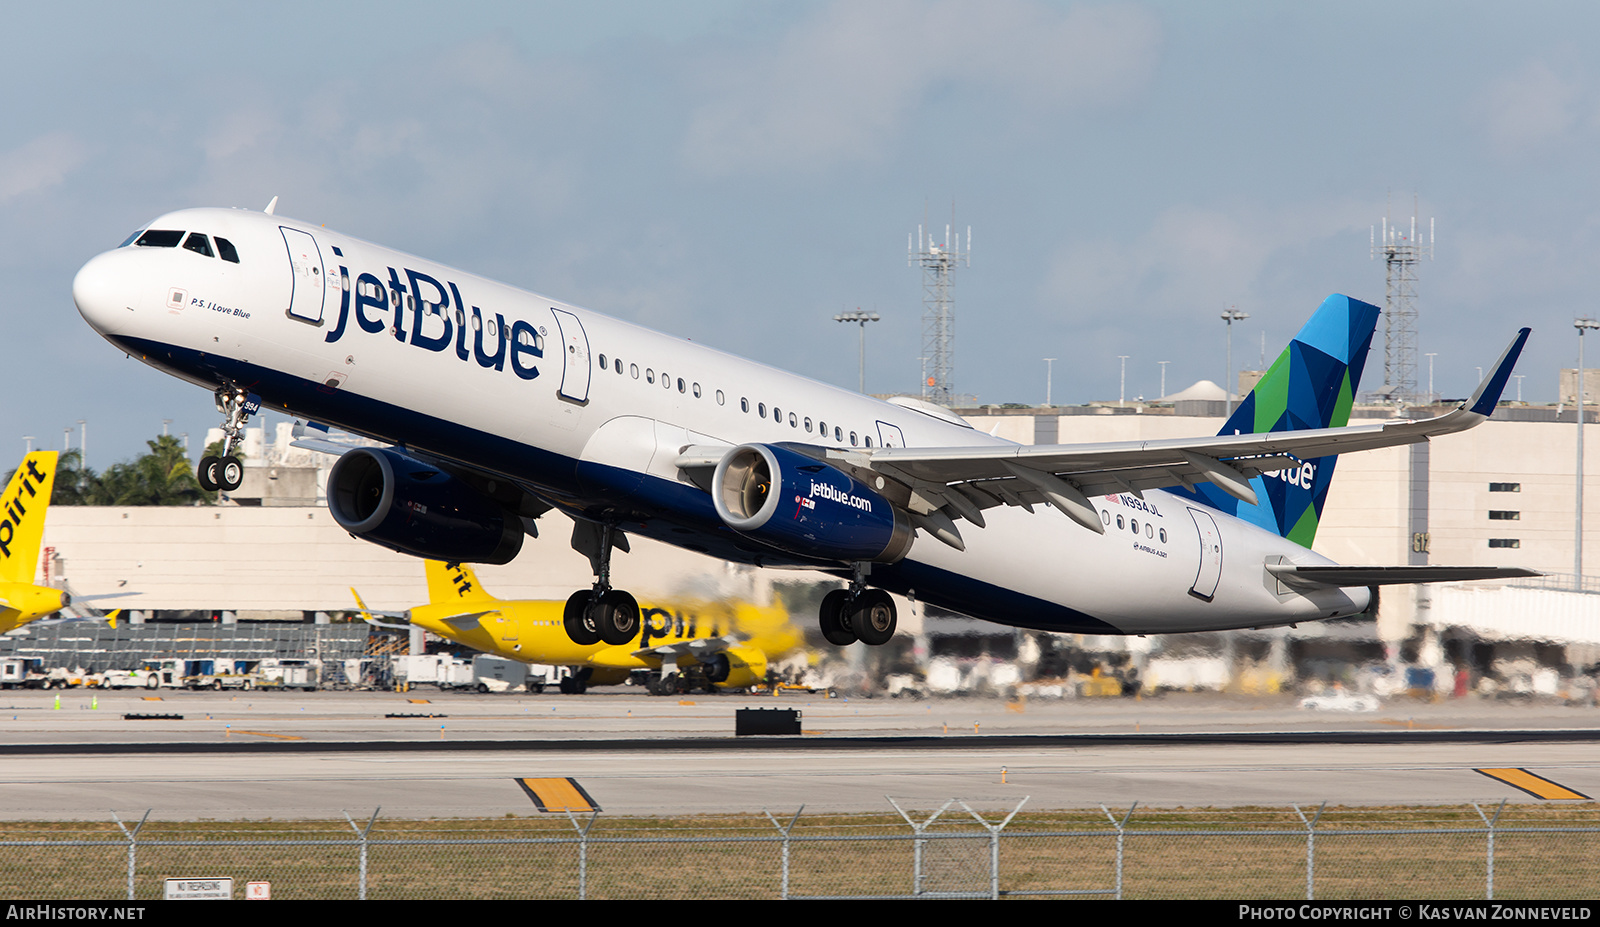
(226, 472)
(601, 613)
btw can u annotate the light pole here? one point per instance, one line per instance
(1163, 377)
(860, 318)
(1122, 382)
(83, 444)
(1519, 387)
(1431, 397)
(1577, 542)
(1231, 315)
(29, 439)
(1049, 371)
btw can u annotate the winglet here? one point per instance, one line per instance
(365, 614)
(1488, 393)
(111, 617)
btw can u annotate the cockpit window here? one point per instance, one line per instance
(226, 250)
(199, 244)
(129, 240)
(159, 238)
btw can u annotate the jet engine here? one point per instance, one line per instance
(789, 501)
(399, 502)
(737, 667)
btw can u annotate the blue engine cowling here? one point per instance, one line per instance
(399, 502)
(803, 506)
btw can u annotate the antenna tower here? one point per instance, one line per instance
(1401, 252)
(938, 307)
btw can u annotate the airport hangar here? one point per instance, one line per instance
(1501, 494)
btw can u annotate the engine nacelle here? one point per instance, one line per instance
(803, 506)
(399, 502)
(737, 668)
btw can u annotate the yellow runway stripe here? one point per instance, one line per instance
(265, 734)
(558, 794)
(1537, 786)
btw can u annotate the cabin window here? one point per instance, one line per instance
(1105, 517)
(744, 404)
(867, 440)
(721, 399)
(633, 371)
(666, 380)
(761, 409)
(461, 317)
(697, 391)
(1134, 524)
(777, 415)
(603, 364)
(838, 434)
(1148, 530)
(852, 439)
(793, 423)
(198, 243)
(227, 252)
(159, 238)
(1163, 535)
(477, 322)
(808, 426)
(681, 385)
(822, 429)
(1119, 523)
(649, 375)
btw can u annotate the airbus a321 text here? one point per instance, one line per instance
(500, 404)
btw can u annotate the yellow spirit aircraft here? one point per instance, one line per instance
(22, 511)
(711, 645)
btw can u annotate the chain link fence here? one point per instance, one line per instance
(959, 850)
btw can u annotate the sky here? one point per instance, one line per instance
(740, 172)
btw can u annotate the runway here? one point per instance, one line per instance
(313, 756)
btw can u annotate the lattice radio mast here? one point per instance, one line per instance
(1401, 252)
(938, 307)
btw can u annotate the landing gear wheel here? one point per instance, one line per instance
(579, 622)
(616, 617)
(206, 473)
(231, 474)
(835, 626)
(872, 617)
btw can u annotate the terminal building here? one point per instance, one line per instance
(1502, 494)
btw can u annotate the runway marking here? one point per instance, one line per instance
(1537, 786)
(265, 734)
(558, 794)
(1408, 724)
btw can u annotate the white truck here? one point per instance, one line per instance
(441, 670)
(289, 673)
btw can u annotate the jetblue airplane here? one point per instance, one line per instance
(500, 404)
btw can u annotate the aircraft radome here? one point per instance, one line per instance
(500, 404)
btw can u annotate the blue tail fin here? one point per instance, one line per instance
(1312, 384)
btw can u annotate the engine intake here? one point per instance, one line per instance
(786, 500)
(399, 502)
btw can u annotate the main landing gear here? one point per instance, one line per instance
(226, 472)
(602, 613)
(857, 614)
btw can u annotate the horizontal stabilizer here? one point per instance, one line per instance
(1313, 576)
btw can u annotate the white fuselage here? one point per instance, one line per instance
(511, 383)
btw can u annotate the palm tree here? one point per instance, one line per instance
(164, 476)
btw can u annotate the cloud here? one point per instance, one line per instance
(1529, 110)
(44, 162)
(839, 86)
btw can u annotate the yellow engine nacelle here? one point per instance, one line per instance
(737, 668)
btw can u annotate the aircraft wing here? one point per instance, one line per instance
(699, 647)
(1305, 577)
(959, 482)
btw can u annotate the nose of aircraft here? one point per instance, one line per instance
(96, 292)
